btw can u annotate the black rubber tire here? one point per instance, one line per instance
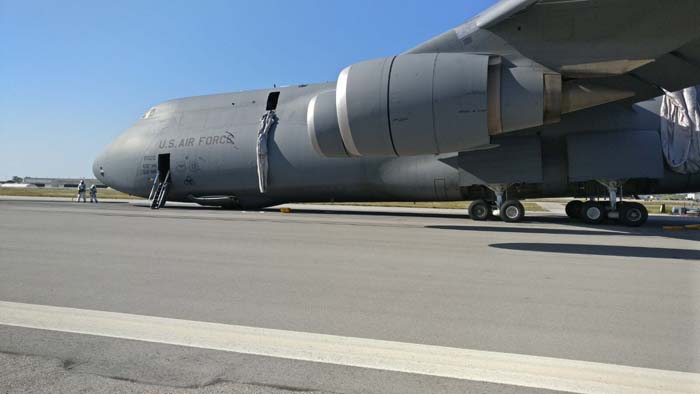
(512, 211)
(593, 212)
(480, 210)
(633, 214)
(573, 209)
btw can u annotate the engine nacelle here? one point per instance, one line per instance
(429, 104)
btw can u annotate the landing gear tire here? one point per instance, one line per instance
(633, 214)
(573, 209)
(593, 212)
(480, 210)
(512, 211)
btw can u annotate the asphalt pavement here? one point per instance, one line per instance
(625, 300)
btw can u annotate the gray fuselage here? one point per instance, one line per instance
(211, 141)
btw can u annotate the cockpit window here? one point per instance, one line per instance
(149, 114)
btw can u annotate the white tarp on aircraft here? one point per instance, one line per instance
(680, 130)
(266, 123)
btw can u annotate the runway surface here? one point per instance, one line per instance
(417, 302)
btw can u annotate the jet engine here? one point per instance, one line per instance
(436, 103)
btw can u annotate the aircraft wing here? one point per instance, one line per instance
(637, 47)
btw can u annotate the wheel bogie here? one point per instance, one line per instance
(593, 212)
(480, 210)
(633, 214)
(573, 209)
(512, 211)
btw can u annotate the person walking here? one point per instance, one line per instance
(81, 190)
(93, 194)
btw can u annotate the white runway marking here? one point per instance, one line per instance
(501, 368)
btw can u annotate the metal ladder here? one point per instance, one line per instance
(159, 192)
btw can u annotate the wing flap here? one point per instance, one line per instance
(670, 72)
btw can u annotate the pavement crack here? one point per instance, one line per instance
(208, 384)
(68, 365)
(285, 388)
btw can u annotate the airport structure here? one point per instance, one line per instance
(57, 183)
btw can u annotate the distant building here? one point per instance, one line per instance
(693, 196)
(69, 183)
(11, 185)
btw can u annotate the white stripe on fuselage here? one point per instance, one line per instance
(474, 365)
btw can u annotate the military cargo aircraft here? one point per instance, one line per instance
(530, 99)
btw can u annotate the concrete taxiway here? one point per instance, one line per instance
(119, 298)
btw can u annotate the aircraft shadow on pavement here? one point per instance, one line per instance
(571, 227)
(338, 212)
(527, 230)
(604, 250)
(335, 211)
(568, 227)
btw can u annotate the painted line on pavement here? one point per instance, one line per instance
(474, 365)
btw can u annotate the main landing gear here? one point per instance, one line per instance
(510, 211)
(631, 214)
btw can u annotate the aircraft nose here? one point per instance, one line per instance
(117, 165)
(108, 168)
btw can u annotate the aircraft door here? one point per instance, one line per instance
(163, 166)
(162, 183)
(272, 101)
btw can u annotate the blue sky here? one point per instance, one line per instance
(74, 74)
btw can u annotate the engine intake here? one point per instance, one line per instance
(322, 122)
